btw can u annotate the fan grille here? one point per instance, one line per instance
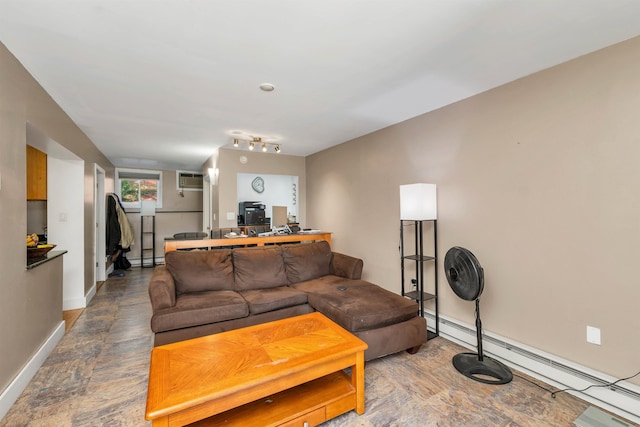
(464, 273)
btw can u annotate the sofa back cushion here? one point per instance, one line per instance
(307, 261)
(258, 268)
(199, 271)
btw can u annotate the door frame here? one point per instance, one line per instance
(99, 249)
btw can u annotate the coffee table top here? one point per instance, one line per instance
(240, 364)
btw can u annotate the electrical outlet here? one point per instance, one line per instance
(593, 335)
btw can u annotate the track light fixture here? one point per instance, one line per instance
(252, 141)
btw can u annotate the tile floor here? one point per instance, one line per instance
(97, 376)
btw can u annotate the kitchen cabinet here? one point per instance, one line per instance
(36, 174)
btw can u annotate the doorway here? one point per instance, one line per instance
(65, 212)
(100, 235)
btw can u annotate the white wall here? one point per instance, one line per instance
(65, 219)
(278, 191)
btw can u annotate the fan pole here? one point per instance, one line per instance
(479, 330)
(476, 367)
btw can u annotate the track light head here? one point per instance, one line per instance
(264, 147)
(236, 143)
(277, 148)
(251, 144)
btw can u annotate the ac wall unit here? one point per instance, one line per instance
(189, 181)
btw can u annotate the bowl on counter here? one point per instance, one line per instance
(39, 251)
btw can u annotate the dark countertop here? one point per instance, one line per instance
(34, 262)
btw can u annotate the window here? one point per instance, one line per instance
(134, 185)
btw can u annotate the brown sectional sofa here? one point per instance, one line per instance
(199, 293)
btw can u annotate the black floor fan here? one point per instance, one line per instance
(466, 278)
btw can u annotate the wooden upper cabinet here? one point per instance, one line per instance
(36, 174)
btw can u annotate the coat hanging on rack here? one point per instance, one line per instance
(119, 233)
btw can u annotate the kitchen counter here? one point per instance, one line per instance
(34, 262)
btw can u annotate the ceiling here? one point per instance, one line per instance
(163, 83)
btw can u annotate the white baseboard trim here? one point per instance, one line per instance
(136, 262)
(622, 399)
(16, 387)
(73, 303)
(89, 296)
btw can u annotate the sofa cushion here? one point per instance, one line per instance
(357, 305)
(306, 261)
(198, 271)
(200, 308)
(264, 300)
(330, 281)
(162, 289)
(258, 268)
(346, 266)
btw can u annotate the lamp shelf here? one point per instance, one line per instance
(415, 295)
(150, 235)
(419, 258)
(413, 267)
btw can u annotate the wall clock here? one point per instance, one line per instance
(258, 184)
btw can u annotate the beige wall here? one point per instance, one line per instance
(26, 318)
(177, 214)
(539, 179)
(265, 163)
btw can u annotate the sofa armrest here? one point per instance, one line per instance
(162, 289)
(346, 266)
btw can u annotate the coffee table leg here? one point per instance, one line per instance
(357, 380)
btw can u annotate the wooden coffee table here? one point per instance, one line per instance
(280, 373)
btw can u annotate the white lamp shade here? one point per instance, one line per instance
(148, 208)
(418, 202)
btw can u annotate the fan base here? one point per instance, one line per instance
(487, 370)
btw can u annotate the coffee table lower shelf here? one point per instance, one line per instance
(308, 404)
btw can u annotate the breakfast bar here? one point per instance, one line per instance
(35, 262)
(174, 245)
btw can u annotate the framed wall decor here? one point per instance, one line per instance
(258, 184)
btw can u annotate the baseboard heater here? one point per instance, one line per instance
(618, 398)
(593, 417)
